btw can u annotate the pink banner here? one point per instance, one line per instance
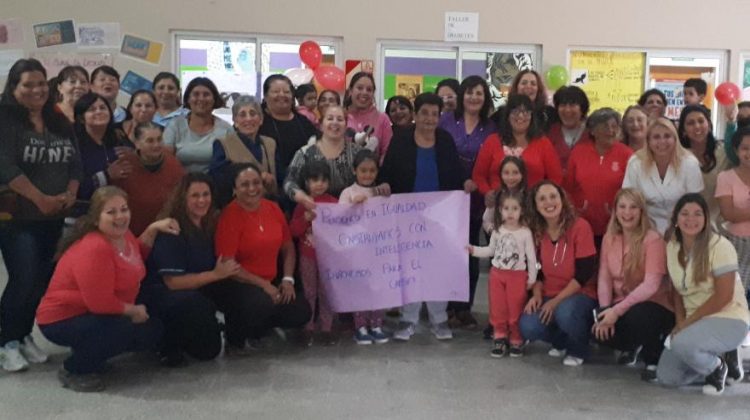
(388, 252)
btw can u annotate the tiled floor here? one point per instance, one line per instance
(422, 379)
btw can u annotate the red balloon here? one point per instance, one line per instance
(310, 54)
(727, 93)
(331, 77)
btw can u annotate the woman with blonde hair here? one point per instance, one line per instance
(637, 311)
(663, 171)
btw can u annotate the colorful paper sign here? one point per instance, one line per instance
(142, 49)
(54, 33)
(391, 251)
(610, 78)
(99, 35)
(133, 82)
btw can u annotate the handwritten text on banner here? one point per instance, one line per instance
(391, 251)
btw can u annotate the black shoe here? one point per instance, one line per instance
(91, 382)
(516, 351)
(172, 359)
(735, 372)
(629, 357)
(467, 320)
(488, 332)
(500, 348)
(328, 338)
(649, 374)
(716, 381)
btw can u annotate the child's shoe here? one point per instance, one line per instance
(499, 348)
(378, 335)
(361, 336)
(516, 350)
(405, 332)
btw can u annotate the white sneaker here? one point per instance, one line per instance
(31, 351)
(746, 341)
(572, 361)
(553, 352)
(13, 360)
(442, 331)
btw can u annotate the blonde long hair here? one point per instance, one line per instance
(633, 266)
(90, 221)
(647, 156)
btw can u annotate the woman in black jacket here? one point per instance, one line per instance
(424, 159)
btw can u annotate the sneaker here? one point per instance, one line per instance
(91, 382)
(746, 341)
(442, 331)
(629, 357)
(488, 332)
(716, 381)
(499, 348)
(13, 360)
(572, 361)
(31, 351)
(516, 350)
(405, 332)
(361, 336)
(649, 374)
(735, 372)
(378, 335)
(553, 352)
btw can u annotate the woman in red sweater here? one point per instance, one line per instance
(90, 303)
(519, 135)
(596, 169)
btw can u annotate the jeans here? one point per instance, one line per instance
(570, 326)
(96, 338)
(28, 249)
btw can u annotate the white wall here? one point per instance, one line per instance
(555, 25)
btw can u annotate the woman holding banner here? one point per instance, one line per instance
(560, 310)
(424, 159)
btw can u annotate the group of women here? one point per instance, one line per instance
(147, 258)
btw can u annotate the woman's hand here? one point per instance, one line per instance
(359, 199)
(383, 190)
(137, 314)
(273, 292)
(287, 292)
(49, 204)
(300, 197)
(547, 311)
(226, 267)
(167, 225)
(489, 199)
(469, 186)
(67, 199)
(608, 317)
(533, 304)
(310, 215)
(469, 249)
(268, 178)
(119, 169)
(677, 328)
(603, 332)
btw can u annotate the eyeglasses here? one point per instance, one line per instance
(448, 97)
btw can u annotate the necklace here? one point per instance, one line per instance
(555, 262)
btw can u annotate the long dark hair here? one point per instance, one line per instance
(710, 153)
(176, 206)
(505, 130)
(468, 84)
(537, 223)
(14, 114)
(111, 139)
(701, 246)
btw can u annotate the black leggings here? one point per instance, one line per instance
(249, 312)
(645, 324)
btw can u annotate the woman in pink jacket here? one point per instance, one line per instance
(362, 113)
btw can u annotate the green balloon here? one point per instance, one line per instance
(557, 77)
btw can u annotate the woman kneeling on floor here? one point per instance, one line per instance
(90, 303)
(710, 306)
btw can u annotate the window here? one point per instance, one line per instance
(410, 68)
(239, 63)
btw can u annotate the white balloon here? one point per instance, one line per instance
(299, 76)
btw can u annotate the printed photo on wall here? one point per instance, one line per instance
(99, 35)
(501, 69)
(408, 85)
(142, 49)
(54, 33)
